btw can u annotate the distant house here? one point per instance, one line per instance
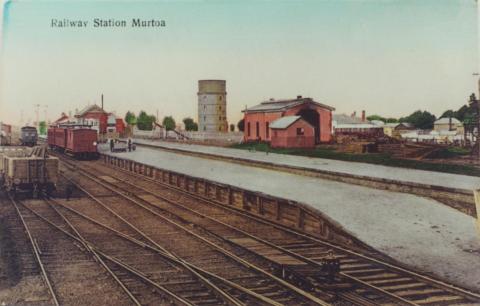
(352, 126)
(402, 128)
(258, 119)
(447, 124)
(292, 132)
(94, 116)
(389, 128)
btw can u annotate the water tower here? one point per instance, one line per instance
(212, 106)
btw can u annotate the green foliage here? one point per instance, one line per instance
(145, 122)
(130, 118)
(421, 120)
(190, 125)
(376, 117)
(232, 127)
(42, 127)
(169, 123)
(241, 125)
(391, 120)
(449, 113)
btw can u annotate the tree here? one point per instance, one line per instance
(376, 117)
(169, 123)
(190, 125)
(42, 127)
(130, 118)
(241, 125)
(232, 127)
(449, 113)
(145, 121)
(391, 120)
(421, 120)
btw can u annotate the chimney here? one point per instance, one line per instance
(299, 97)
(102, 101)
(354, 114)
(450, 123)
(363, 116)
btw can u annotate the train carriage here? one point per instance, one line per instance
(28, 136)
(77, 140)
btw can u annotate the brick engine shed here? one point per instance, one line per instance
(258, 120)
(292, 132)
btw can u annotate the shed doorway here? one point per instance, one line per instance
(313, 118)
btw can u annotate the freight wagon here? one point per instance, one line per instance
(28, 136)
(21, 172)
(79, 141)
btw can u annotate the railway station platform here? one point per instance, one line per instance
(447, 180)
(419, 232)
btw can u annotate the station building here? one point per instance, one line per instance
(261, 122)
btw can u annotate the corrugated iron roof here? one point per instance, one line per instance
(346, 119)
(280, 105)
(284, 122)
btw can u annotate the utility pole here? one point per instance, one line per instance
(37, 109)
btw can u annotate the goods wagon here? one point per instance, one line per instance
(28, 136)
(78, 141)
(22, 172)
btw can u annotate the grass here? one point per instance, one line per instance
(373, 158)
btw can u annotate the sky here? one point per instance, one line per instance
(388, 57)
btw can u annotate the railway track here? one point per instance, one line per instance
(142, 288)
(376, 281)
(71, 274)
(212, 256)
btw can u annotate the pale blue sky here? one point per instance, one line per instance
(387, 57)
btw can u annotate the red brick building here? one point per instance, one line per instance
(292, 132)
(259, 118)
(95, 116)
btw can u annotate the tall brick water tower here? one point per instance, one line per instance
(212, 106)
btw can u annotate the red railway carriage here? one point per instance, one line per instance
(82, 142)
(79, 141)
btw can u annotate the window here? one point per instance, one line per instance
(220, 118)
(257, 126)
(220, 98)
(204, 128)
(267, 126)
(248, 129)
(300, 131)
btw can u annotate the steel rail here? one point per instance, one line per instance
(293, 254)
(429, 280)
(171, 257)
(37, 253)
(94, 254)
(96, 249)
(220, 249)
(212, 286)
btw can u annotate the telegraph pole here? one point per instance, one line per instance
(37, 109)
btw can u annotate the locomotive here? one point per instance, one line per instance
(80, 141)
(28, 136)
